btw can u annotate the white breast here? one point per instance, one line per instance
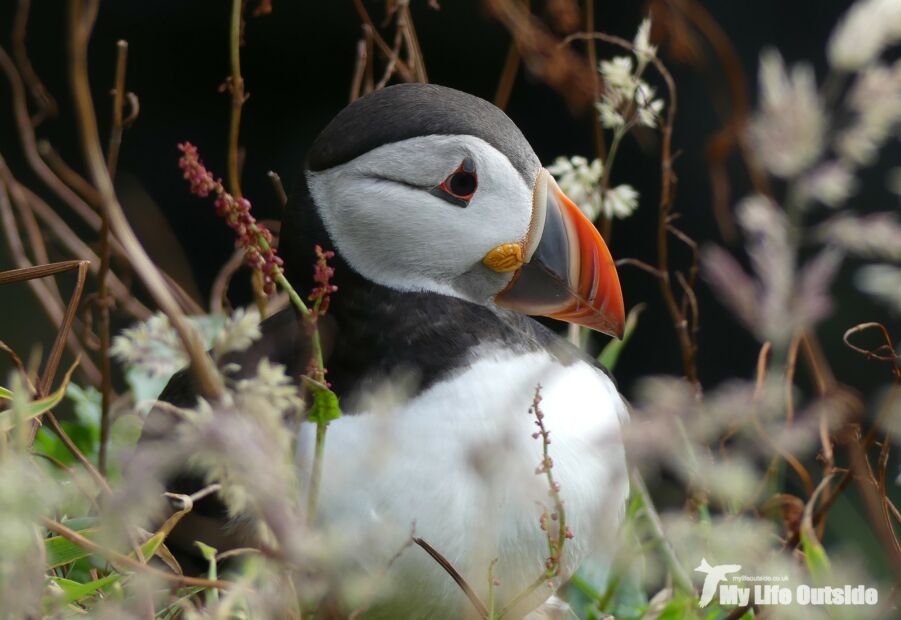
(459, 460)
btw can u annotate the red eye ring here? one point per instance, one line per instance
(460, 185)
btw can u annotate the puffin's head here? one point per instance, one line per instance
(425, 188)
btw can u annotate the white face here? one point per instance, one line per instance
(387, 222)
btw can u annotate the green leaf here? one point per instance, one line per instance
(88, 404)
(61, 551)
(74, 591)
(81, 523)
(325, 406)
(174, 607)
(5, 393)
(145, 387)
(33, 409)
(148, 549)
(209, 554)
(610, 354)
(814, 555)
(681, 607)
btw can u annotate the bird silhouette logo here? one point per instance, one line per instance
(715, 574)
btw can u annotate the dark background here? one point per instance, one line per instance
(297, 65)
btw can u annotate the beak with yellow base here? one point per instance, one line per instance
(563, 268)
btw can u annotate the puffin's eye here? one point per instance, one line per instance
(462, 184)
(459, 187)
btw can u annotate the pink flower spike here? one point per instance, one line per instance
(322, 275)
(253, 238)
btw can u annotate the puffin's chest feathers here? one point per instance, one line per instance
(457, 462)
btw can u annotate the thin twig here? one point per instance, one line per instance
(69, 176)
(78, 454)
(789, 458)
(391, 66)
(46, 104)
(115, 140)
(634, 262)
(402, 67)
(65, 235)
(791, 364)
(406, 26)
(125, 561)
(687, 345)
(733, 134)
(34, 233)
(560, 68)
(103, 299)
(882, 353)
(678, 572)
(278, 187)
(68, 238)
(219, 290)
(455, 575)
(29, 147)
(208, 378)
(56, 352)
(52, 306)
(236, 88)
(356, 82)
(89, 493)
(39, 271)
(874, 504)
(508, 76)
(600, 145)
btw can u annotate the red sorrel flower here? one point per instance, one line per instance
(254, 238)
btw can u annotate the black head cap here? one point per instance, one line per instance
(410, 110)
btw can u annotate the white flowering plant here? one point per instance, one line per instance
(626, 101)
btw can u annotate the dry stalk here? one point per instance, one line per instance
(459, 579)
(71, 241)
(235, 86)
(103, 299)
(278, 188)
(208, 379)
(62, 191)
(51, 304)
(129, 563)
(402, 67)
(684, 332)
(508, 73)
(29, 147)
(676, 17)
(875, 502)
(45, 102)
(361, 65)
(34, 234)
(559, 67)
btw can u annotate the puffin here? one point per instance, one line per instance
(448, 237)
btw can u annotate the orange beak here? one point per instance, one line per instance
(567, 271)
